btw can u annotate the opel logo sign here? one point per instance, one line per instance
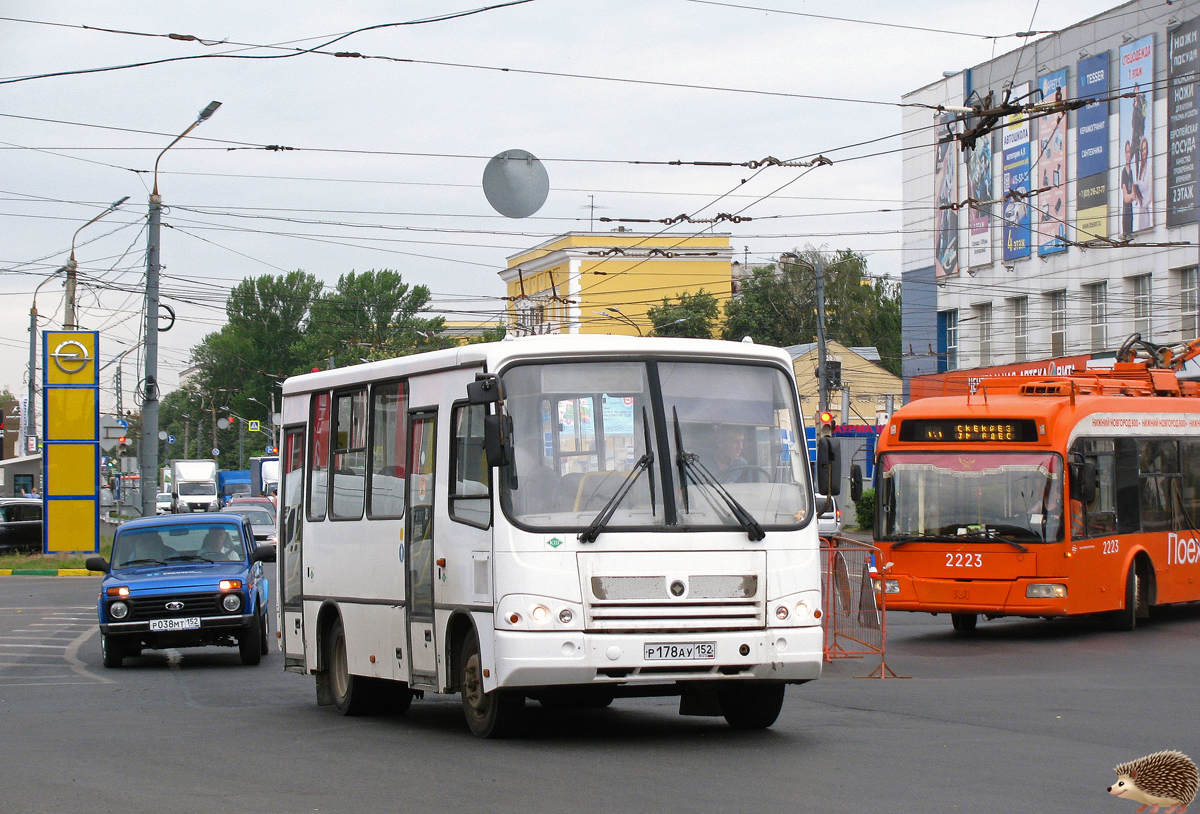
(71, 356)
(174, 606)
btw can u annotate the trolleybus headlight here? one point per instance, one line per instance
(892, 586)
(118, 610)
(565, 616)
(540, 613)
(232, 602)
(781, 613)
(1046, 590)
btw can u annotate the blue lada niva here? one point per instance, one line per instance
(183, 581)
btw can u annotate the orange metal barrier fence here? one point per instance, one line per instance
(855, 620)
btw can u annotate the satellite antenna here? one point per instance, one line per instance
(515, 183)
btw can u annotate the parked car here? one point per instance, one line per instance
(20, 524)
(829, 515)
(183, 581)
(162, 502)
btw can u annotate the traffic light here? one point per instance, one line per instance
(825, 424)
(123, 446)
(833, 375)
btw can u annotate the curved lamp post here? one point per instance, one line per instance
(149, 461)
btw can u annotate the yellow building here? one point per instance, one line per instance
(868, 384)
(604, 282)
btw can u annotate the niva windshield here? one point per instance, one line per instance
(584, 431)
(970, 496)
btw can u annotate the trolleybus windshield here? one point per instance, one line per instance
(1003, 496)
(581, 428)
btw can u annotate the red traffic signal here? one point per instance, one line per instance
(825, 417)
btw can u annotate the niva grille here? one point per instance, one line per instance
(145, 608)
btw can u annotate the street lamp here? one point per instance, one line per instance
(149, 462)
(613, 312)
(70, 324)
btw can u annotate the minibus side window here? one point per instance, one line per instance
(389, 435)
(470, 479)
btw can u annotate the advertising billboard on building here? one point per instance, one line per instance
(945, 184)
(1052, 168)
(1183, 120)
(980, 187)
(1135, 70)
(1091, 156)
(1015, 184)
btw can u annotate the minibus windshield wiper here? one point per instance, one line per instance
(590, 534)
(690, 463)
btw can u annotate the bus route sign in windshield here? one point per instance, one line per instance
(953, 430)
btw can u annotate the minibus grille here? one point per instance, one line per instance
(646, 603)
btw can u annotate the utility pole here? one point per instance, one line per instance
(822, 385)
(149, 452)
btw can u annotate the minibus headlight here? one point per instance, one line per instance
(118, 610)
(540, 613)
(565, 616)
(1046, 590)
(781, 613)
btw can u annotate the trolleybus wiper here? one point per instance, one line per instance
(690, 462)
(590, 534)
(905, 539)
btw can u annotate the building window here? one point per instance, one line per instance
(983, 317)
(1058, 323)
(948, 340)
(1098, 321)
(1020, 308)
(1141, 306)
(1188, 304)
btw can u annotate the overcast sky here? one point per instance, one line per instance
(389, 154)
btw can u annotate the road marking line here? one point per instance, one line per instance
(72, 656)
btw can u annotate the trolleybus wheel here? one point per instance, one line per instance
(964, 622)
(1135, 599)
(750, 706)
(352, 695)
(112, 650)
(493, 714)
(250, 642)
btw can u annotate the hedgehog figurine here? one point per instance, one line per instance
(1162, 779)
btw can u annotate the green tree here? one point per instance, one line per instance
(778, 306)
(372, 315)
(690, 315)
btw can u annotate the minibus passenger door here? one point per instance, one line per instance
(289, 580)
(418, 548)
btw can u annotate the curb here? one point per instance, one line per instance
(49, 572)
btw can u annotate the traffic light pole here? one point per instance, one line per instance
(822, 385)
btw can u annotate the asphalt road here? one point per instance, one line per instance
(1023, 716)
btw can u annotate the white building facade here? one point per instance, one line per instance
(1092, 230)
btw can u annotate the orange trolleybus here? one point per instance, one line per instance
(1037, 496)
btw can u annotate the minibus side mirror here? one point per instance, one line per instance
(856, 482)
(486, 389)
(497, 439)
(829, 473)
